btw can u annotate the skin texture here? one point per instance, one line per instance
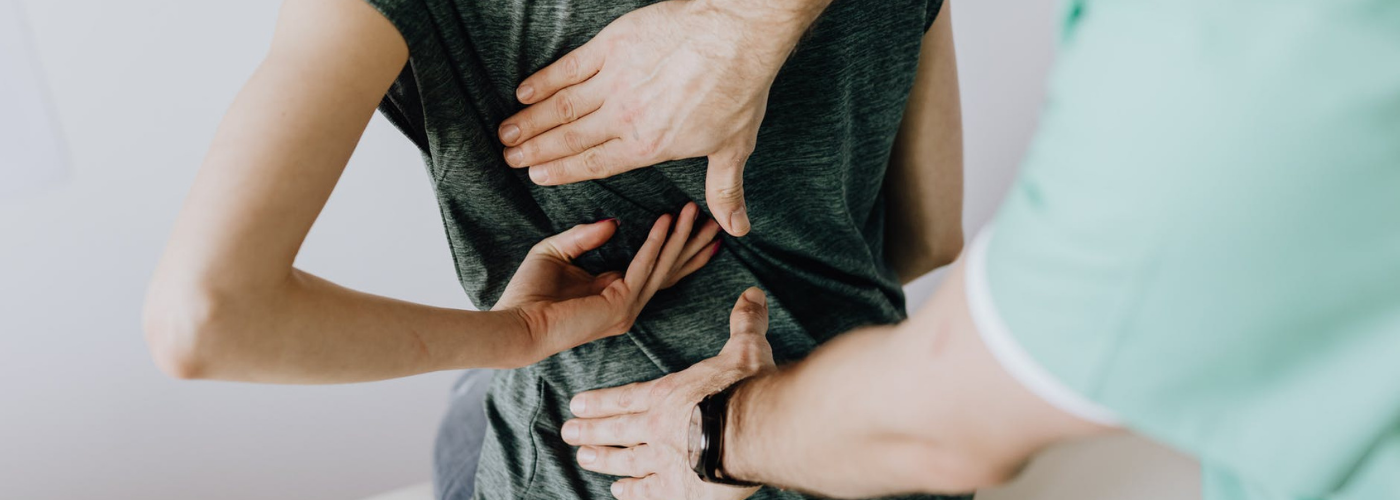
(673, 80)
(227, 303)
(920, 407)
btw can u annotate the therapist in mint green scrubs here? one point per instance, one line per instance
(1222, 180)
(1203, 247)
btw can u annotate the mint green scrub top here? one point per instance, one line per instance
(1204, 241)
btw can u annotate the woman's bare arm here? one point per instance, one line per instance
(924, 185)
(226, 302)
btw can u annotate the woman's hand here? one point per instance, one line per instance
(667, 81)
(562, 306)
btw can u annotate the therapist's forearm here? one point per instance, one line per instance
(817, 427)
(786, 15)
(919, 407)
(777, 25)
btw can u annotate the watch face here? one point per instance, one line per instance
(696, 445)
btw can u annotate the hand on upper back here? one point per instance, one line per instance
(668, 81)
(641, 430)
(564, 306)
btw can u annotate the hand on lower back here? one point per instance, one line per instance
(564, 306)
(649, 421)
(673, 80)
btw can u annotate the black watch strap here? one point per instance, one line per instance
(714, 411)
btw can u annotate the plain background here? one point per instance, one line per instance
(139, 87)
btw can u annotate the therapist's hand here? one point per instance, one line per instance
(676, 79)
(640, 431)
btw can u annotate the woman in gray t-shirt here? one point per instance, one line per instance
(227, 304)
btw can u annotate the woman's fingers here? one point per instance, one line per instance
(703, 239)
(698, 251)
(694, 264)
(671, 253)
(568, 245)
(644, 263)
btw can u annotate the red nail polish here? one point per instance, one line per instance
(715, 250)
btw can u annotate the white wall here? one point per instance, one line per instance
(139, 87)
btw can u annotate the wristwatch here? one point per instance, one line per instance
(706, 447)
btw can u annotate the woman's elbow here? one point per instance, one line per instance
(925, 257)
(947, 250)
(179, 322)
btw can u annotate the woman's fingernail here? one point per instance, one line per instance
(514, 156)
(510, 133)
(578, 405)
(617, 489)
(570, 431)
(586, 455)
(714, 249)
(525, 92)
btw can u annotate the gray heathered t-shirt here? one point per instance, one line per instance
(814, 196)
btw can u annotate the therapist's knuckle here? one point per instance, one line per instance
(573, 141)
(626, 397)
(565, 107)
(745, 320)
(630, 114)
(617, 426)
(570, 67)
(649, 146)
(746, 147)
(748, 359)
(594, 164)
(663, 387)
(630, 461)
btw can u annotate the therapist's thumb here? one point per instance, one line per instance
(724, 188)
(748, 346)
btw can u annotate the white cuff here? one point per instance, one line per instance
(1004, 347)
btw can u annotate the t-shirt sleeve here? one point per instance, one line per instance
(403, 103)
(931, 14)
(411, 17)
